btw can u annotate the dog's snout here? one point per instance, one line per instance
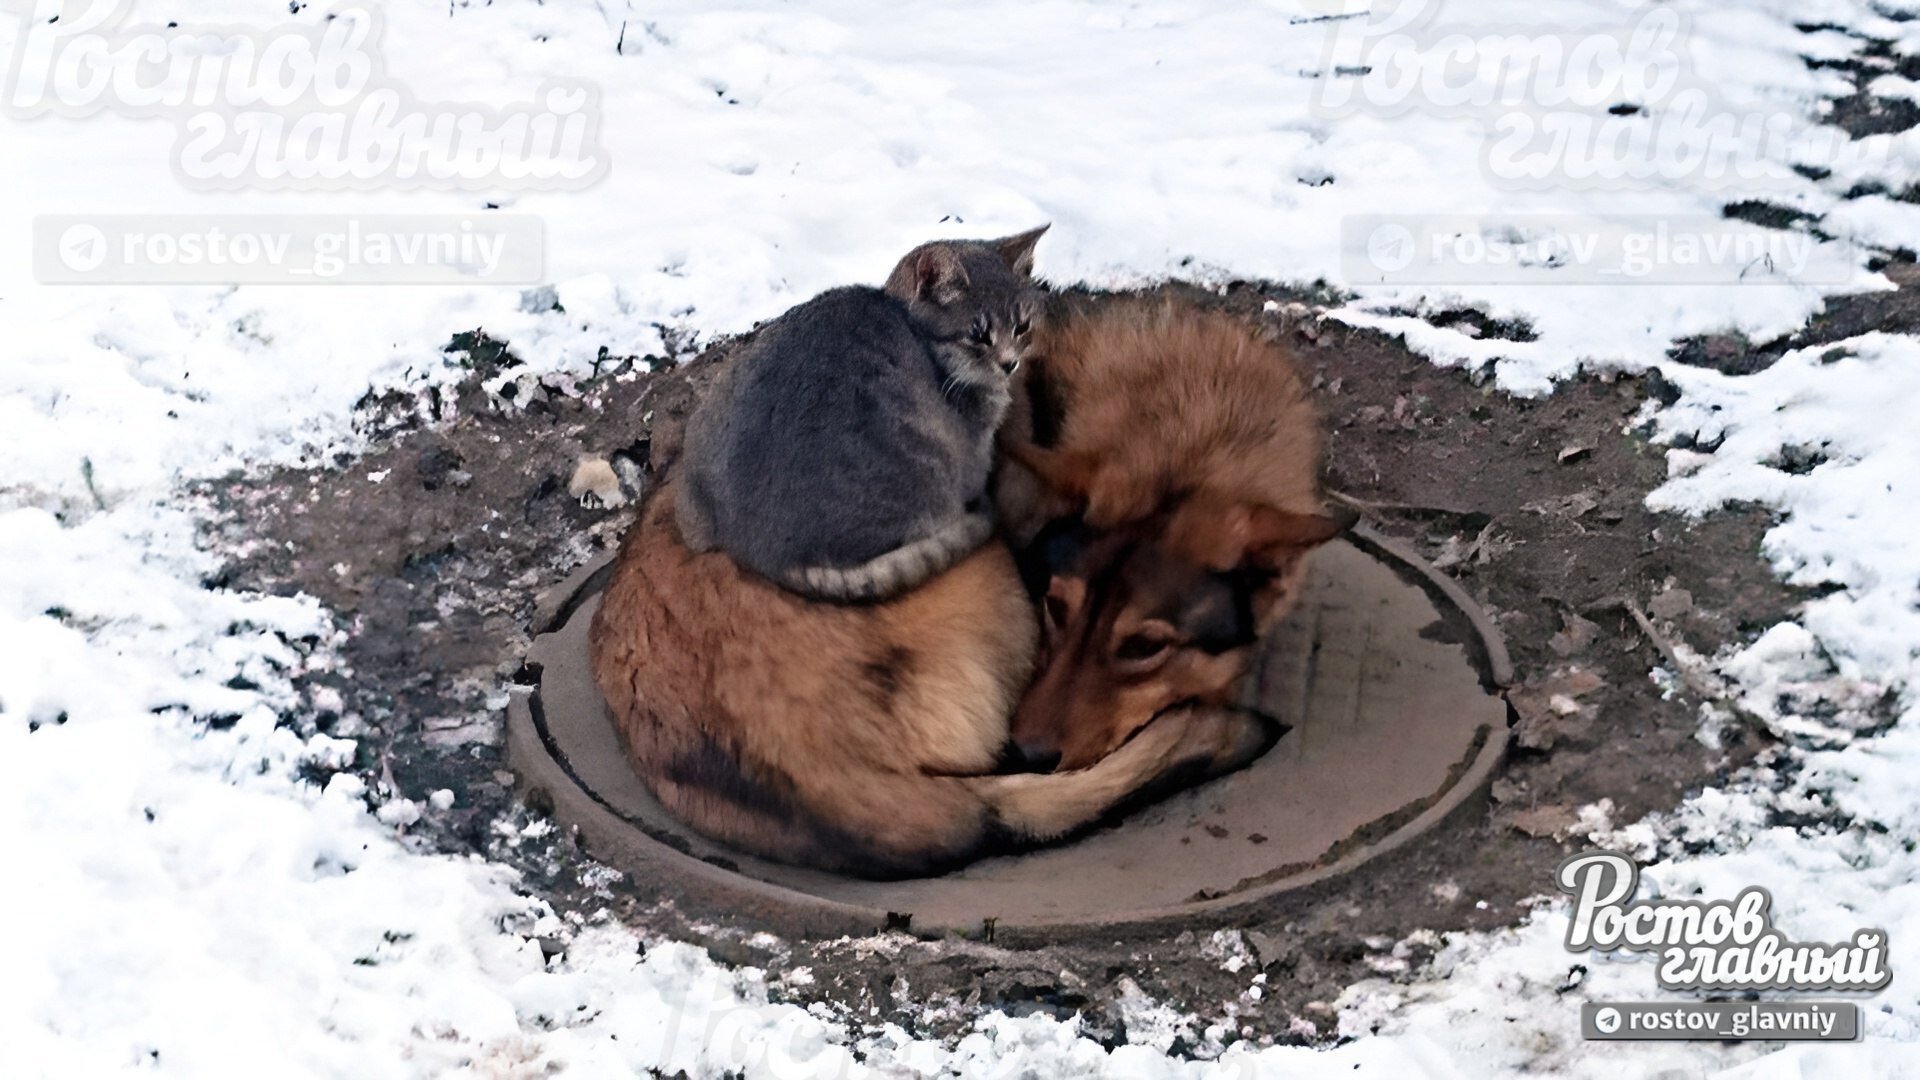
(1031, 757)
(1009, 366)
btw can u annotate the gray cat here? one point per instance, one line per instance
(845, 452)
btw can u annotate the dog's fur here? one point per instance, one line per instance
(1188, 449)
(859, 739)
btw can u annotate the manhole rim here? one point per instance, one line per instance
(540, 766)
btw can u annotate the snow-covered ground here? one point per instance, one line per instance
(179, 901)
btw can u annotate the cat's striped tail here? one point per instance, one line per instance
(889, 575)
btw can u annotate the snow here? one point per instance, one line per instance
(1847, 518)
(183, 902)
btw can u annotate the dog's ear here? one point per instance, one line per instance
(1066, 474)
(1018, 249)
(930, 272)
(1275, 538)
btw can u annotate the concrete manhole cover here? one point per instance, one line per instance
(1387, 672)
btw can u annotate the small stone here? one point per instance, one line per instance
(633, 480)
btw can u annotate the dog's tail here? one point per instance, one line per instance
(895, 572)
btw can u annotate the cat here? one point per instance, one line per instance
(845, 453)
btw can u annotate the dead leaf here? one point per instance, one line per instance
(1569, 506)
(1576, 633)
(1554, 821)
(1534, 729)
(1479, 551)
(1549, 708)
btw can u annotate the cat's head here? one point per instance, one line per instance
(976, 301)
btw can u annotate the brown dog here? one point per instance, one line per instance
(1189, 450)
(855, 738)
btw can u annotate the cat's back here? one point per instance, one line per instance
(814, 371)
(846, 334)
(815, 435)
(847, 306)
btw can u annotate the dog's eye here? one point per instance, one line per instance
(1021, 325)
(1138, 647)
(982, 329)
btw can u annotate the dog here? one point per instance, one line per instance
(1183, 461)
(858, 739)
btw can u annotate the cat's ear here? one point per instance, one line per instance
(1018, 249)
(930, 272)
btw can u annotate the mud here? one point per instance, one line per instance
(431, 545)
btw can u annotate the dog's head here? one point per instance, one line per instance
(1154, 614)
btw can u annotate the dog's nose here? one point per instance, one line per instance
(1009, 366)
(1028, 757)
